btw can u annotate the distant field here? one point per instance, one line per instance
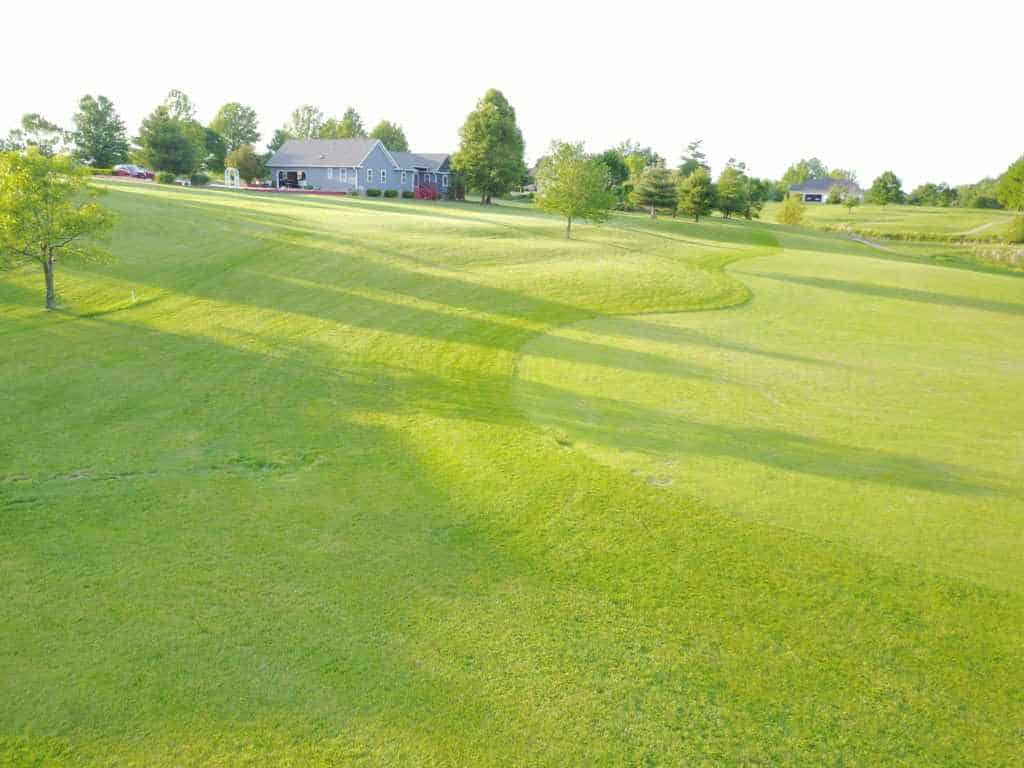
(906, 220)
(332, 481)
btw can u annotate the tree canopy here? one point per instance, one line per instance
(792, 210)
(655, 188)
(48, 212)
(179, 105)
(350, 126)
(885, 189)
(100, 138)
(693, 158)
(574, 185)
(250, 165)
(306, 122)
(803, 171)
(281, 135)
(238, 125)
(1010, 191)
(696, 193)
(490, 155)
(167, 144)
(391, 134)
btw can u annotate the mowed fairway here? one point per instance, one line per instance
(371, 483)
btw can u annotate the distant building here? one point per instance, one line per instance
(818, 190)
(355, 165)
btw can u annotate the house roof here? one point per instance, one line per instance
(347, 153)
(414, 160)
(824, 185)
(325, 152)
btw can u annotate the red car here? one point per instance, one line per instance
(133, 171)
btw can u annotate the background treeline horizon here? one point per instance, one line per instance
(171, 140)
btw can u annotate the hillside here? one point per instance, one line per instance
(381, 482)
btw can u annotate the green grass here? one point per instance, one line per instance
(360, 482)
(906, 221)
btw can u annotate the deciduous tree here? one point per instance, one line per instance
(574, 185)
(792, 210)
(306, 122)
(238, 125)
(48, 212)
(179, 105)
(281, 135)
(391, 134)
(100, 137)
(1010, 191)
(250, 165)
(886, 189)
(490, 156)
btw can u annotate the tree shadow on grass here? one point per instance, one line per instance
(895, 292)
(626, 426)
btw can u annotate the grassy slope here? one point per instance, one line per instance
(296, 505)
(901, 219)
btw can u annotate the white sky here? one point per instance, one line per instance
(931, 89)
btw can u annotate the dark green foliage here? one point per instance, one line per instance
(696, 194)
(216, 150)
(693, 158)
(391, 193)
(655, 188)
(1010, 191)
(165, 177)
(490, 156)
(100, 138)
(804, 170)
(835, 196)
(408, 194)
(373, 193)
(281, 135)
(392, 135)
(982, 194)
(166, 144)
(199, 180)
(939, 195)
(886, 189)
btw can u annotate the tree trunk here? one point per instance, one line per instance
(51, 292)
(568, 227)
(652, 211)
(696, 218)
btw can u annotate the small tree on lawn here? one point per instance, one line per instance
(792, 210)
(655, 188)
(696, 194)
(48, 211)
(574, 185)
(850, 200)
(886, 189)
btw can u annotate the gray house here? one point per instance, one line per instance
(355, 165)
(818, 190)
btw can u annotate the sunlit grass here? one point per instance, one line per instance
(359, 482)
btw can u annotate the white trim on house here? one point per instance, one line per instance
(369, 175)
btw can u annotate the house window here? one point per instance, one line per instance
(383, 175)
(330, 173)
(369, 175)
(343, 174)
(444, 180)
(432, 178)
(404, 177)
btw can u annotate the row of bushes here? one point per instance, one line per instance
(922, 237)
(196, 179)
(406, 193)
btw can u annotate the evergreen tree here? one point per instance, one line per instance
(655, 189)
(693, 158)
(696, 194)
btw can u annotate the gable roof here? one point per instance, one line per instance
(824, 185)
(323, 152)
(413, 160)
(348, 153)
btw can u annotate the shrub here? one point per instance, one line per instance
(373, 193)
(390, 193)
(792, 210)
(165, 177)
(426, 192)
(199, 179)
(101, 171)
(1016, 231)
(407, 194)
